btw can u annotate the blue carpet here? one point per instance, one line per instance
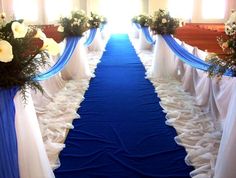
(122, 131)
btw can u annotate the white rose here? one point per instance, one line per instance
(5, 51)
(163, 20)
(60, 29)
(19, 30)
(51, 46)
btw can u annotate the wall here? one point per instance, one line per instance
(154, 5)
(149, 6)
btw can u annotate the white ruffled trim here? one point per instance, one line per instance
(56, 118)
(196, 131)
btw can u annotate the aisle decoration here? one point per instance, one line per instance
(163, 23)
(142, 20)
(23, 52)
(221, 63)
(95, 20)
(75, 25)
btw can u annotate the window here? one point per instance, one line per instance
(181, 8)
(25, 9)
(213, 9)
(120, 12)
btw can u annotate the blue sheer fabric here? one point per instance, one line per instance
(71, 43)
(8, 142)
(137, 25)
(187, 57)
(91, 37)
(147, 35)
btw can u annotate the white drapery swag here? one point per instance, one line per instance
(198, 118)
(98, 43)
(77, 67)
(143, 44)
(33, 160)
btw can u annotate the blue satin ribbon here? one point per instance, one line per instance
(187, 57)
(9, 167)
(71, 43)
(147, 35)
(91, 37)
(138, 26)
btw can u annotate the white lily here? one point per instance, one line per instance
(19, 30)
(51, 46)
(6, 54)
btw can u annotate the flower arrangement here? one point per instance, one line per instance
(96, 20)
(104, 20)
(75, 25)
(221, 63)
(163, 23)
(22, 54)
(143, 20)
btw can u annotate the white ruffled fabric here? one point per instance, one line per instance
(56, 118)
(195, 129)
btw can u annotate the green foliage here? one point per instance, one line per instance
(27, 60)
(95, 20)
(143, 20)
(75, 25)
(219, 65)
(163, 23)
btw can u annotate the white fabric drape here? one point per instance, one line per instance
(33, 160)
(50, 88)
(77, 67)
(98, 43)
(143, 44)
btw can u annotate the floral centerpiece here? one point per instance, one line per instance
(163, 23)
(75, 25)
(22, 54)
(221, 63)
(142, 20)
(96, 20)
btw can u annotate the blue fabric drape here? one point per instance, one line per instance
(71, 43)
(8, 142)
(91, 37)
(137, 25)
(187, 57)
(147, 35)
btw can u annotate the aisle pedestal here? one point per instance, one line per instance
(162, 64)
(33, 160)
(77, 67)
(226, 159)
(143, 44)
(97, 44)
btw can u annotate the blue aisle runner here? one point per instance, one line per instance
(122, 131)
